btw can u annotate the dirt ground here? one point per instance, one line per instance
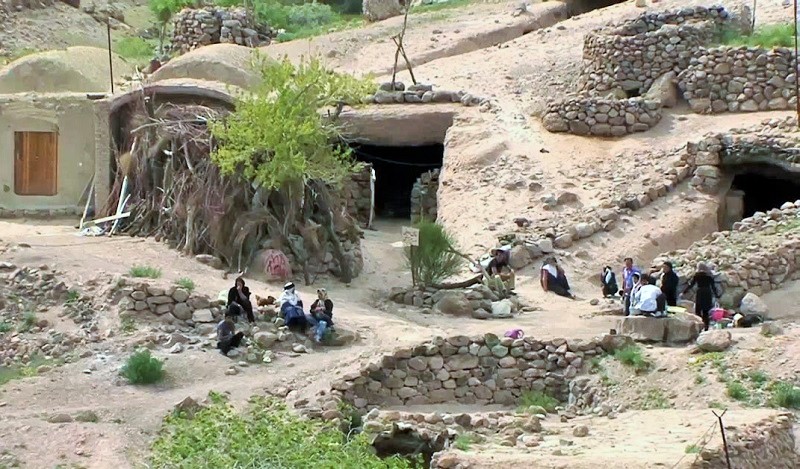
(453, 49)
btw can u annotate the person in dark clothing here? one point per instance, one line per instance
(499, 266)
(227, 337)
(669, 284)
(553, 279)
(240, 295)
(321, 316)
(609, 281)
(706, 292)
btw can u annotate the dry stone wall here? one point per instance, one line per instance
(171, 304)
(602, 117)
(633, 54)
(768, 443)
(358, 195)
(195, 28)
(420, 93)
(477, 301)
(423, 197)
(469, 370)
(742, 79)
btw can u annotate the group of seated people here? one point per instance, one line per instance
(552, 279)
(319, 317)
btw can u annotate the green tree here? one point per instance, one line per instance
(277, 136)
(435, 259)
(163, 11)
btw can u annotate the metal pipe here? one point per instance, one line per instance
(111, 64)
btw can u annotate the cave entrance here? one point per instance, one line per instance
(579, 7)
(396, 171)
(759, 188)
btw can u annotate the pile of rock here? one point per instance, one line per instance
(631, 55)
(602, 117)
(477, 301)
(470, 370)
(195, 28)
(357, 194)
(171, 304)
(739, 79)
(768, 443)
(397, 93)
(423, 197)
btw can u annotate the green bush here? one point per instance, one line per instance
(692, 449)
(185, 283)
(736, 390)
(310, 15)
(268, 435)
(5, 327)
(767, 36)
(785, 394)
(530, 399)
(434, 260)
(143, 368)
(633, 357)
(134, 48)
(654, 399)
(28, 321)
(758, 377)
(144, 271)
(464, 441)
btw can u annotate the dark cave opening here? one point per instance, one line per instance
(765, 187)
(396, 171)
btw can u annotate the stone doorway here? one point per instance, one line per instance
(398, 171)
(758, 187)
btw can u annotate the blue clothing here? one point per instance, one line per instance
(627, 274)
(320, 326)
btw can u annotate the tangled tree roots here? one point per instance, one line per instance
(177, 194)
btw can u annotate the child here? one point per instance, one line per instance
(227, 337)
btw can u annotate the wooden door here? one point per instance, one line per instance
(35, 163)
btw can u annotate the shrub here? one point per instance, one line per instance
(5, 327)
(785, 394)
(530, 399)
(309, 15)
(633, 357)
(186, 283)
(654, 399)
(692, 449)
(127, 325)
(434, 259)
(464, 441)
(143, 271)
(758, 377)
(267, 436)
(134, 48)
(142, 368)
(72, 296)
(767, 36)
(28, 321)
(736, 390)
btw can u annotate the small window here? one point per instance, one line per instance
(36, 163)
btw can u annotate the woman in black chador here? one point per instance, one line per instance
(706, 292)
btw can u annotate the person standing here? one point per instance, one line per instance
(627, 282)
(706, 292)
(240, 295)
(669, 284)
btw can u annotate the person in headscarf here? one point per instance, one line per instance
(321, 316)
(500, 266)
(669, 284)
(292, 308)
(609, 281)
(553, 279)
(227, 337)
(706, 292)
(240, 295)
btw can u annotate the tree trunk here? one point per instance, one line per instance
(322, 196)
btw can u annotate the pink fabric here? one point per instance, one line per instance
(717, 314)
(515, 334)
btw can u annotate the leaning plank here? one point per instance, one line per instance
(106, 219)
(88, 201)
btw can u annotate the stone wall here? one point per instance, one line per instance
(195, 28)
(632, 54)
(41, 213)
(602, 117)
(768, 443)
(468, 370)
(168, 303)
(739, 79)
(423, 197)
(421, 93)
(477, 301)
(358, 195)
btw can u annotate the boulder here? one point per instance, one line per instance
(673, 330)
(502, 309)
(715, 340)
(341, 337)
(454, 304)
(519, 257)
(683, 328)
(377, 10)
(613, 342)
(663, 90)
(752, 304)
(203, 315)
(265, 339)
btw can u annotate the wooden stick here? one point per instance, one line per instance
(107, 219)
(88, 200)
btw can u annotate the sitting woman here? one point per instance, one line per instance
(227, 337)
(609, 281)
(240, 295)
(321, 317)
(554, 280)
(292, 308)
(499, 266)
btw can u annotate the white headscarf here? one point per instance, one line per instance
(289, 295)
